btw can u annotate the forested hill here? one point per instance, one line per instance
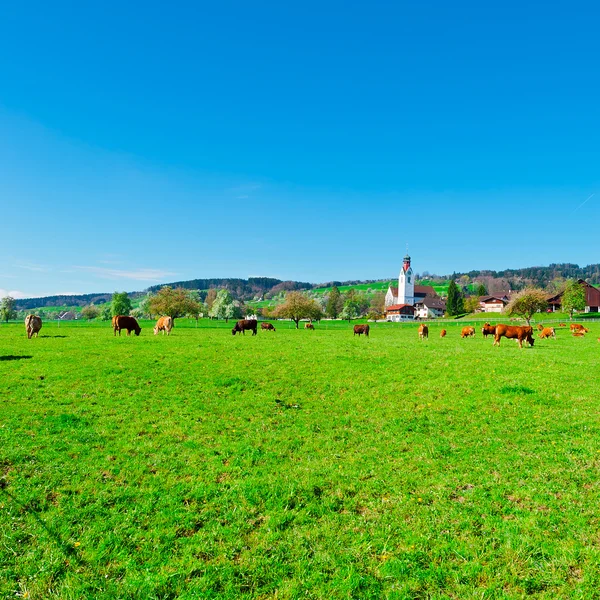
(539, 276)
(62, 300)
(244, 289)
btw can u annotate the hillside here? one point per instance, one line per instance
(260, 290)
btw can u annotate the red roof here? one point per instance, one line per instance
(399, 306)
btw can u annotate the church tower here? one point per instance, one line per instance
(406, 283)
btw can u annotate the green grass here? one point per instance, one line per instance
(297, 464)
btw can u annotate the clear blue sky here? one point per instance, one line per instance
(145, 142)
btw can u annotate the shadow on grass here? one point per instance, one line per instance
(53, 336)
(69, 549)
(516, 389)
(13, 357)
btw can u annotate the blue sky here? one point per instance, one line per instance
(150, 142)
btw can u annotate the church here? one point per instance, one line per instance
(409, 301)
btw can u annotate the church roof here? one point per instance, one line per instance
(394, 290)
(425, 290)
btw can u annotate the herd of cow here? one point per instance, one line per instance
(521, 334)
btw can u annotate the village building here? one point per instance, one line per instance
(493, 304)
(408, 300)
(592, 298)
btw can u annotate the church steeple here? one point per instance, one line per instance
(406, 283)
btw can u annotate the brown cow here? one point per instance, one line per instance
(33, 324)
(122, 322)
(578, 327)
(467, 332)
(443, 333)
(562, 324)
(578, 334)
(267, 326)
(244, 325)
(423, 332)
(360, 329)
(488, 329)
(547, 332)
(163, 324)
(309, 326)
(512, 332)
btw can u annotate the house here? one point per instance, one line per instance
(493, 304)
(429, 307)
(67, 315)
(400, 312)
(592, 298)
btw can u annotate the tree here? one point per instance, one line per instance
(297, 306)
(199, 306)
(145, 308)
(335, 303)
(89, 312)
(526, 303)
(222, 306)
(481, 290)
(573, 297)
(471, 304)
(106, 312)
(377, 305)
(121, 304)
(172, 303)
(7, 309)
(211, 296)
(454, 302)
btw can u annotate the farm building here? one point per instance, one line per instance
(592, 298)
(493, 304)
(429, 307)
(400, 312)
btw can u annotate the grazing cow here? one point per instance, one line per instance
(578, 327)
(540, 327)
(267, 326)
(488, 329)
(423, 332)
(244, 325)
(163, 324)
(547, 332)
(578, 334)
(562, 324)
(309, 326)
(467, 332)
(129, 323)
(512, 332)
(33, 324)
(443, 333)
(360, 329)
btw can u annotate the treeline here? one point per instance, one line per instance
(61, 300)
(538, 276)
(243, 289)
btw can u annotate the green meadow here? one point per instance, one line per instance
(297, 464)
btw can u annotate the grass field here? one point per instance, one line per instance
(297, 464)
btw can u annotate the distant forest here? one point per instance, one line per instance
(259, 288)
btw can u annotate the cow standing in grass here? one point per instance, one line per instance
(423, 332)
(443, 333)
(33, 324)
(521, 334)
(267, 326)
(164, 324)
(244, 325)
(467, 332)
(360, 329)
(123, 322)
(488, 329)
